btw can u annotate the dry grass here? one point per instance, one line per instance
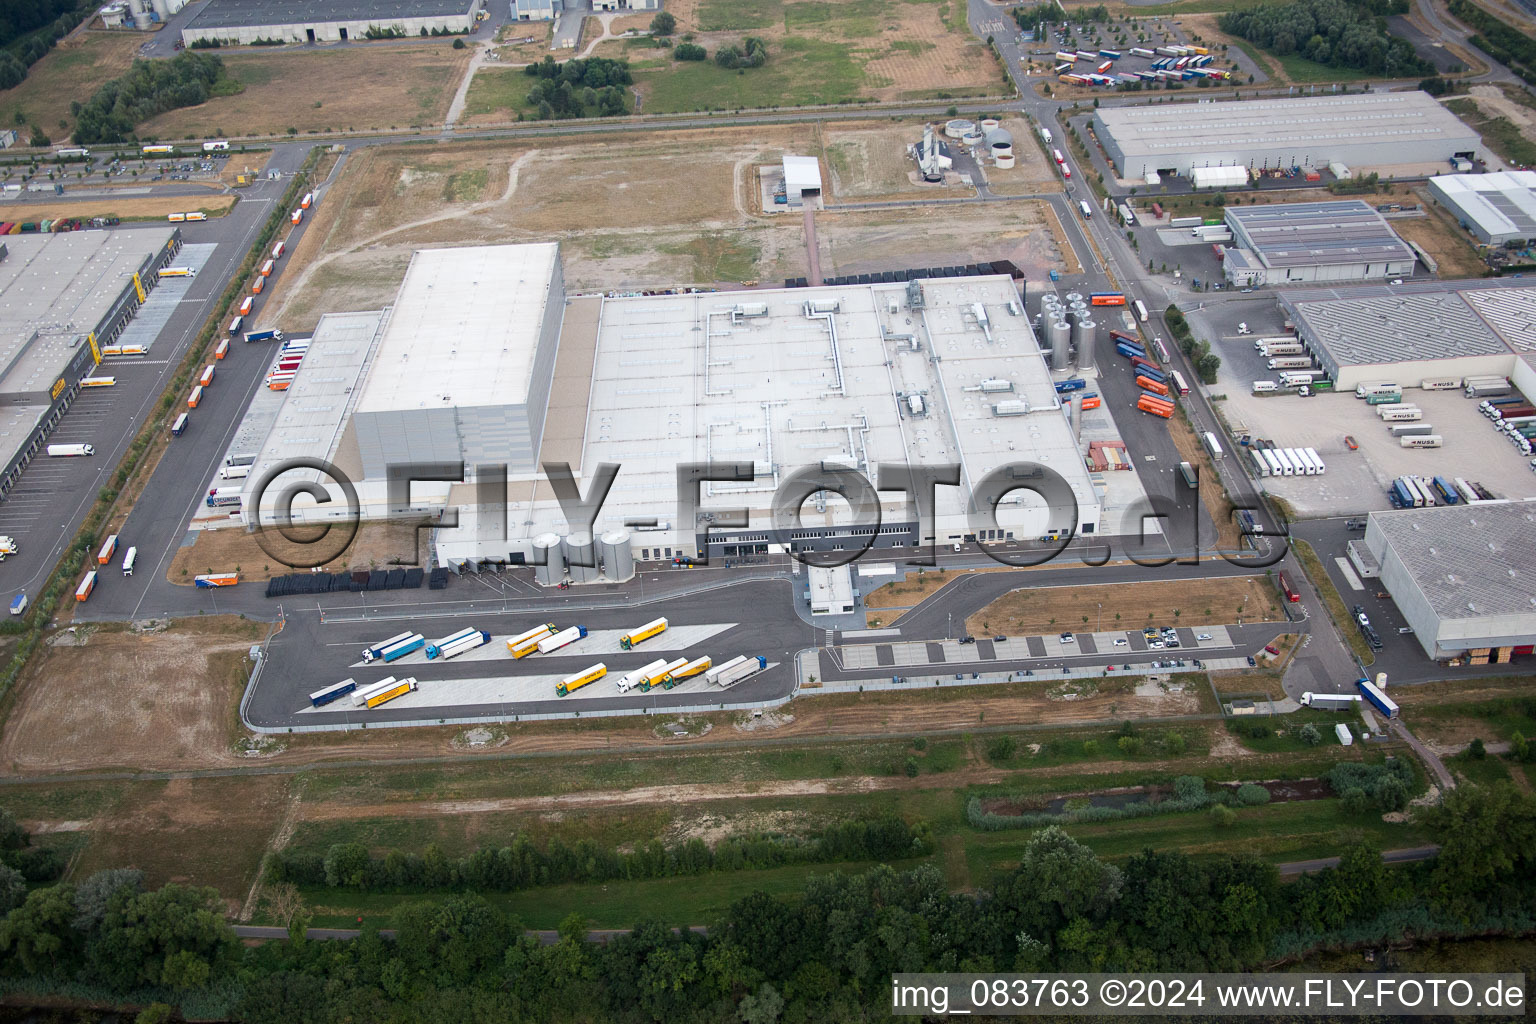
(513, 50)
(377, 545)
(75, 69)
(364, 87)
(1212, 495)
(130, 700)
(128, 207)
(1031, 172)
(1182, 602)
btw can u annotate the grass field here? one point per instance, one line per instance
(74, 70)
(1129, 606)
(1306, 72)
(1504, 136)
(820, 51)
(497, 94)
(360, 88)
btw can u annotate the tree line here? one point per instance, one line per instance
(523, 865)
(1338, 33)
(584, 87)
(149, 88)
(1501, 42)
(1206, 362)
(28, 30)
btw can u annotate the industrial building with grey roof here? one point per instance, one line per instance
(1496, 208)
(1378, 130)
(1295, 243)
(297, 21)
(1406, 333)
(1462, 575)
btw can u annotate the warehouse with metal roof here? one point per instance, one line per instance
(1463, 576)
(1365, 131)
(1299, 243)
(242, 22)
(1496, 208)
(1406, 333)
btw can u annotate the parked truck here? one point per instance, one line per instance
(58, 451)
(320, 698)
(663, 676)
(692, 668)
(527, 643)
(562, 639)
(270, 335)
(735, 670)
(629, 680)
(454, 645)
(1422, 441)
(1377, 697)
(1330, 701)
(377, 650)
(577, 680)
(384, 695)
(653, 628)
(1290, 363)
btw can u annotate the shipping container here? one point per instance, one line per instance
(221, 349)
(1440, 383)
(207, 376)
(216, 579)
(1385, 398)
(1399, 413)
(1421, 441)
(1260, 463)
(1264, 387)
(1212, 444)
(88, 584)
(1290, 363)
(320, 698)
(1377, 698)
(108, 548)
(1178, 383)
(577, 680)
(195, 397)
(180, 426)
(1377, 388)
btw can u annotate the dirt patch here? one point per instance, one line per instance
(1128, 606)
(712, 827)
(128, 207)
(363, 87)
(376, 546)
(132, 700)
(1032, 170)
(1212, 495)
(523, 42)
(1493, 101)
(859, 243)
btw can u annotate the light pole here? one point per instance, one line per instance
(1101, 617)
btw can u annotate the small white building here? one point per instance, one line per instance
(802, 175)
(536, 10)
(831, 590)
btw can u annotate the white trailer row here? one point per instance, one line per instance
(1287, 462)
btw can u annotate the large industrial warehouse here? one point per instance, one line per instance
(1407, 333)
(1296, 243)
(1462, 576)
(63, 297)
(243, 22)
(1373, 131)
(1498, 208)
(484, 360)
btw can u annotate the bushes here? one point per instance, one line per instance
(149, 88)
(1386, 786)
(1206, 362)
(1188, 795)
(1252, 795)
(1337, 33)
(752, 53)
(689, 51)
(593, 87)
(1001, 748)
(522, 865)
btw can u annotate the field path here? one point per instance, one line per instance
(297, 286)
(457, 106)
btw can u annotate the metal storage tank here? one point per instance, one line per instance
(1077, 416)
(1074, 297)
(1086, 345)
(616, 550)
(578, 549)
(1084, 332)
(1003, 159)
(1058, 335)
(989, 124)
(548, 561)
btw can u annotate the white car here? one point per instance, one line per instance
(1203, 636)
(1121, 642)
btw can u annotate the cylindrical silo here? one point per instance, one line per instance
(1079, 308)
(1077, 416)
(1003, 160)
(1049, 304)
(548, 562)
(1083, 334)
(1058, 335)
(581, 557)
(989, 124)
(1074, 297)
(1087, 342)
(618, 554)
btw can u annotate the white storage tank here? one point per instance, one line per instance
(548, 561)
(580, 549)
(959, 128)
(1084, 332)
(616, 548)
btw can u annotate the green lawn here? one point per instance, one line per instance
(800, 71)
(498, 90)
(719, 256)
(739, 15)
(1304, 71)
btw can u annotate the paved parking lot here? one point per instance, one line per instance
(1097, 645)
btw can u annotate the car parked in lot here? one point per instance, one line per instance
(1121, 641)
(1272, 649)
(1351, 443)
(1068, 638)
(999, 639)
(1202, 636)
(967, 639)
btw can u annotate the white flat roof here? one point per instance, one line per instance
(1502, 203)
(802, 172)
(463, 330)
(678, 379)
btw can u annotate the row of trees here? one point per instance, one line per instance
(827, 953)
(1206, 362)
(522, 865)
(29, 28)
(1501, 41)
(1338, 33)
(149, 88)
(590, 87)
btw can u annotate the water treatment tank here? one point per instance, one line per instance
(578, 549)
(959, 128)
(548, 562)
(1058, 338)
(618, 554)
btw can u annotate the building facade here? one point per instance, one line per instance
(244, 22)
